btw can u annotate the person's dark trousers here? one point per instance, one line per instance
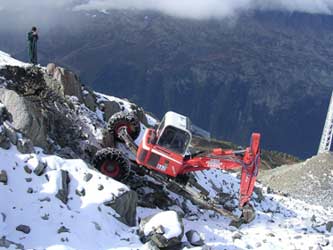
(33, 52)
(32, 38)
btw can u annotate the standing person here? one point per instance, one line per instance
(32, 39)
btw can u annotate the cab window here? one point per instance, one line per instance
(174, 139)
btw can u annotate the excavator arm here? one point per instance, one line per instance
(250, 170)
(248, 160)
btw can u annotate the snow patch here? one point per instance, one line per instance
(6, 59)
(169, 221)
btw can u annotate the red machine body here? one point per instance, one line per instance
(153, 155)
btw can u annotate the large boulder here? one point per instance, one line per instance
(125, 205)
(165, 229)
(27, 117)
(109, 108)
(63, 82)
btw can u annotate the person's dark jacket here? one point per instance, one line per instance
(32, 39)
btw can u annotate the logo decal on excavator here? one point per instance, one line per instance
(214, 163)
(161, 167)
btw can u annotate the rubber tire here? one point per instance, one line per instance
(112, 155)
(130, 120)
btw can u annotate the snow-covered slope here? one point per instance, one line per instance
(28, 199)
(6, 59)
(85, 223)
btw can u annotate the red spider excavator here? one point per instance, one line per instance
(164, 154)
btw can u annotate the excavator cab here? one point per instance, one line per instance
(173, 133)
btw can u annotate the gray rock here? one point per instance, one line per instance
(67, 153)
(110, 108)
(3, 177)
(271, 235)
(39, 170)
(50, 69)
(89, 100)
(236, 236)
(62, 193)
(27, 118)
(27, 169)
(194, 238)
(150, 245)
(69, 83)
(4, 114)
(25, 146)
(3, 136)
(63, 229)
(5, 144)
(140, 113)
(30, 191)
(28, 179)
(313, 218)
(329, 226)
(23, 228)
(157, 234)
(80, 192)
(48, 199)
(97, 226)
(87, 177)
(10, 132)
(4, 217)
(125, 205)
(100, 187)
(45, 217)
(324, 242)
(7, 243)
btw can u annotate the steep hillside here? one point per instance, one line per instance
(311, 180)
(56, 203)
(265, 71)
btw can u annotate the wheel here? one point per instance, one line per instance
(111, 162)
(122, 119)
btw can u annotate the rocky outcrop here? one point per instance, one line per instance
(41, 109)
(63, 82)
